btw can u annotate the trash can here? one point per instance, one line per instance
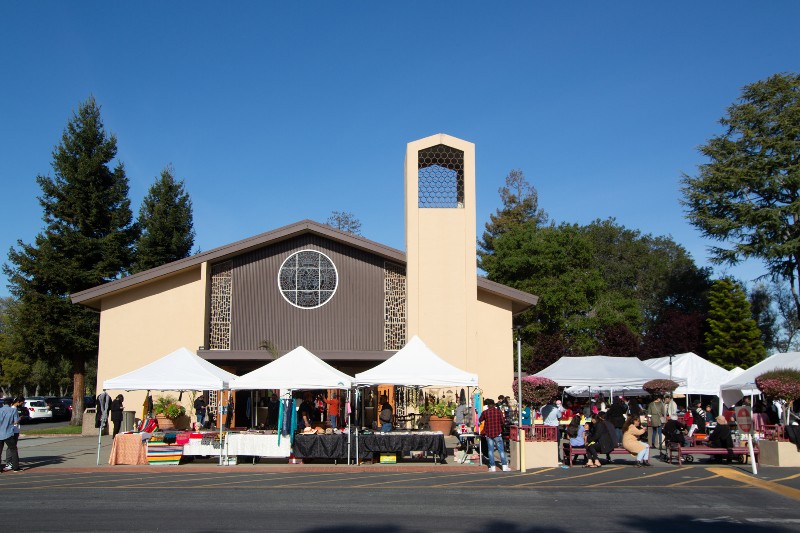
(128, 420)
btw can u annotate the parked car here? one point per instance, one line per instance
(89, 401)
(38, 409)
(67, 403)
(57, 408)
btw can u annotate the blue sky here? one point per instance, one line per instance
(276, 112)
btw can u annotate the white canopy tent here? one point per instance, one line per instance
(745, 383)
(702, 376)
(602, 373)
(181, 370)
(416, 365)
(735, 372)
(298, 369)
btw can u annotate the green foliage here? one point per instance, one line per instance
(166, 223)
(764, 314)
(441, 408)
(748, 194)
(169, 407)
(344, 221)
(87, 241)
(733, 338)
(602, 289)
(520, 207)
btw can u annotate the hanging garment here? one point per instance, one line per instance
(103, 406)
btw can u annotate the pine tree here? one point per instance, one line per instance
(520, 207)
(166, 223)
(87, 241)
(733, 338)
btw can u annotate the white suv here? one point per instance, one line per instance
(38, 409)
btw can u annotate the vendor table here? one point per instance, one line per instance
(402, 442)
(257, 445)
(207, 445)
(324, 446)
(128, 449)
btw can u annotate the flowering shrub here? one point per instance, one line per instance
(660, 386)
(538, 391)
(783, 384)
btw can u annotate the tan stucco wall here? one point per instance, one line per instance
(146, 323)
(495, 342)
(441, 272)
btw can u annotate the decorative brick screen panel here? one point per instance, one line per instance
(219, 337)
(394, 305)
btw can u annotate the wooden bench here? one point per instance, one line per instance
(680, 451)
(575, 451)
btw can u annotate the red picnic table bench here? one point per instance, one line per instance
(581, 450)
(676, 449)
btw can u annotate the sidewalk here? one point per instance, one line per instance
(60, 453)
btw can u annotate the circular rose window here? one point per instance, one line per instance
(308, 279)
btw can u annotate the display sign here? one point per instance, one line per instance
(744, 419)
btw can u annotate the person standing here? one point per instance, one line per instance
(385, 415)
(699, 417)
(19, 405)
(656, 412)
(116, 413)
(333, 409)
(305, 412)
(200, 410)
(8, 419)
(616, 415)
(492, 419)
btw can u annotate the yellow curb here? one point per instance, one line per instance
(777, 488)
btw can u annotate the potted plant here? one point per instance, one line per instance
(441, 415)
(536, 391)
(170, 414)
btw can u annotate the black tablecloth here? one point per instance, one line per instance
(335, 446)
(401, 442)
(323, 446)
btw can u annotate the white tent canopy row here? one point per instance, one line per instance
(702, 376)
(298, 369)
(603, 373)
(416, 365)
(744, 384)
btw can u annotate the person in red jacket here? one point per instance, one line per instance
(492, 428)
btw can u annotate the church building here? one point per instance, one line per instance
(349, 300)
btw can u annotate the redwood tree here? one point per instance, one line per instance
(86, 241)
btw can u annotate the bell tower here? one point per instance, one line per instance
(441, 272)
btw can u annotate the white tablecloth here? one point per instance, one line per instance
(258, 445)
(204, 446)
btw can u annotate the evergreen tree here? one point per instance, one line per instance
(733, 338)
(87, 241)
(748, 195)
(166, 223)
(520, 207)
(764, 314)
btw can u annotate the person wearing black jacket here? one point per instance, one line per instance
(599, 440)
(116, 413)
(720, 437)
(616, 415)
